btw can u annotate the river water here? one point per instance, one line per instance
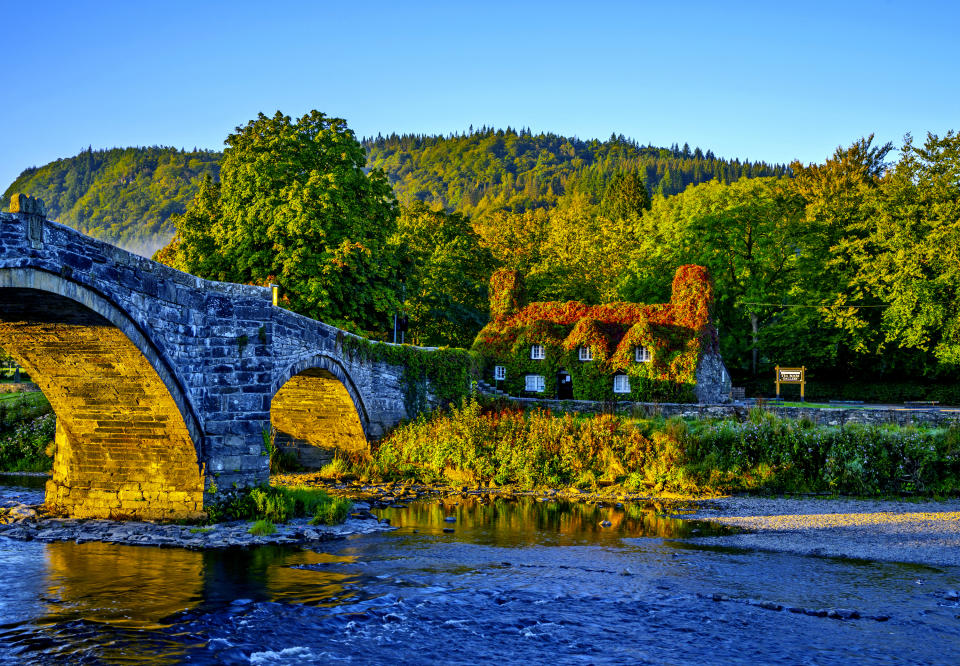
(517, 581)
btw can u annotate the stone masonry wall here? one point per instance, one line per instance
(123, 448)
(301, 343)
(819, 415)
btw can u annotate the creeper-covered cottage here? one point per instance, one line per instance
(665, 352)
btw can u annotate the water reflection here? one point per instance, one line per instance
(277, 574)
(522, 521)
(120, 585)
(34, 481)
(116, 604)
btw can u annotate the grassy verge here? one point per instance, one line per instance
(477, 444)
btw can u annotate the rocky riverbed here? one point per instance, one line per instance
(29, 523)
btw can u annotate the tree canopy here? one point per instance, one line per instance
(849, 266)
(445, 270)
(295, 207)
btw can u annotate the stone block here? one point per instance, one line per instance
(27, 205)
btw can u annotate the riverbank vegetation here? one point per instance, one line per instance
(27, 427)
(277, 504)
(499, 445)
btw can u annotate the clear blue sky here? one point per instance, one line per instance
(766, 80)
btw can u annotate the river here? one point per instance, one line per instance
(519, 581)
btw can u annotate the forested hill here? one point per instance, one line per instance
(127, 195)
(123, 195)
(491, 169)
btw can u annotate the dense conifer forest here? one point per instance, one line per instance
(491, 169)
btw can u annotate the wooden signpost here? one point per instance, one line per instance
(790, 376)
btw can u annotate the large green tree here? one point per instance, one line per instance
(910, 256)
(839, 207)
(445, 270)
(294, 206)
(748, 233)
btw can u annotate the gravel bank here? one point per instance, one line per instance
(917, 532)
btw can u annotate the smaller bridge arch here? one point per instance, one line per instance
(317, 410)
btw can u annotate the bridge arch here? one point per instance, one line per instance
(128, 441)
(317, 409)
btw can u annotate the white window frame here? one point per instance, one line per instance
(586, 354)
(535, 383)
(621, 384)
(642, 354)
(499, 372)
(538, 352)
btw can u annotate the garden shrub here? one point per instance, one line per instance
(26, 447)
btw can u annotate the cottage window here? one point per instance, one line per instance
(586, 354)
(621, 384)
(537, 352)
(642, 354)
(535, 383)
(499, 372)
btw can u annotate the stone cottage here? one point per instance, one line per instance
(666, 352)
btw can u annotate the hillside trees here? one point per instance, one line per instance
(486, 171)
(295, 207)
(125, 196)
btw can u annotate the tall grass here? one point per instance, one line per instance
(473, 444)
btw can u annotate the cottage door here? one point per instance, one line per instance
(564, 385)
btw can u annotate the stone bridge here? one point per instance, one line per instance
(165, 385)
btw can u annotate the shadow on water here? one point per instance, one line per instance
(16, 479)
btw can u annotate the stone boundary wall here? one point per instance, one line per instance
(740, 412)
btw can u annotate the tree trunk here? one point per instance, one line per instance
(755, 328)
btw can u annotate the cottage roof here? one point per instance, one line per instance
(614, 326)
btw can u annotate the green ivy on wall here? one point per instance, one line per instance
(447, 372)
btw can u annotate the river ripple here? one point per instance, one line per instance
(516, 581)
